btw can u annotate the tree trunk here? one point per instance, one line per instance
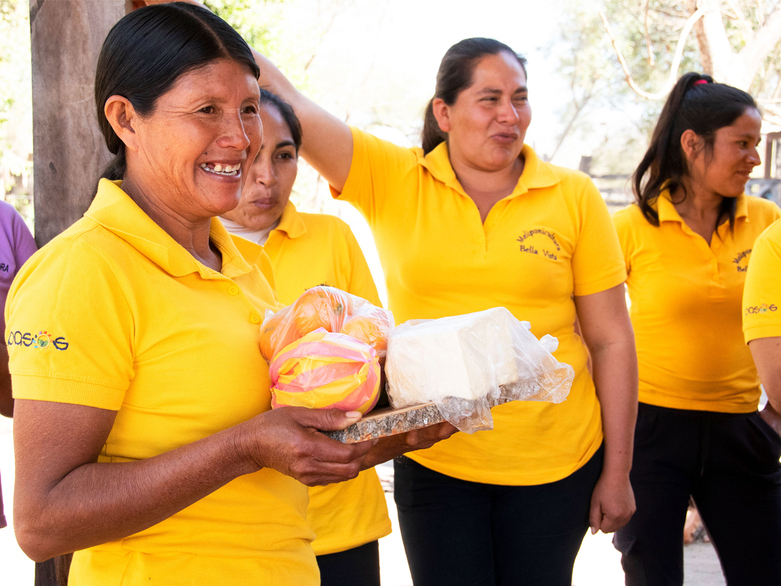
(68, 149)
(702, 40)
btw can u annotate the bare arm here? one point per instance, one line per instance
(64, 500)
(767, 357)
(328, 142)
(608, 334)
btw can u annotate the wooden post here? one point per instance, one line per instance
(68, 149)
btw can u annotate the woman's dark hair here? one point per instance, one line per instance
(696, 103)
(454, 76)
(288, 115)
(148, 50)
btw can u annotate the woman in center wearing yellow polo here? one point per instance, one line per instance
(475, 220)
(687, 243)
(307, 250)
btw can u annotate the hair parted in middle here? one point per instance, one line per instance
(454, 76)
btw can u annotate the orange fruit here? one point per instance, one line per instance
(276, 332)
(321, 307)
(370, 329)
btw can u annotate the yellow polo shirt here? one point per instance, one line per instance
(685, 309)
(762, 294)
(307, 250)
(549, 240)
(114, 314)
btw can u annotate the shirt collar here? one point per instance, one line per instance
(291, 222)
(113, 209)
(536, 174)
(667, 212)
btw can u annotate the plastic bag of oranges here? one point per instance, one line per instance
(323, 370)
(334, 311)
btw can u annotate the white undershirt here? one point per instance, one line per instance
(256, 236)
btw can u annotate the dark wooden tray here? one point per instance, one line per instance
(387, 421)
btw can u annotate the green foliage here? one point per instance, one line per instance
(647, 34)
(15, 106)
(245, 16)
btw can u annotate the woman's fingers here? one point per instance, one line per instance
(289, 440)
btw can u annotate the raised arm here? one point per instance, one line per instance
(767, 357)
(328, 142)
(65, 500)
(608, 334)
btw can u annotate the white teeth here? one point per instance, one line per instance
(218, 169)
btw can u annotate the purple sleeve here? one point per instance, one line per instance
(16, 246)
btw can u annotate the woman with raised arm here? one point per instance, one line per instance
(144, 438)
(307, 250)
(475, 220)
(687, 243)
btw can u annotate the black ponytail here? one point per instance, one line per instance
(699, 104)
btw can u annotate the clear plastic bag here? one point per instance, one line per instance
(469, 363)
(333, 310)
(323, 370)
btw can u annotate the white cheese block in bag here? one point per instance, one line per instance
(465, 356)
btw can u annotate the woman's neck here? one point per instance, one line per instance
(699, 209)
(488, 187)
(193, 235)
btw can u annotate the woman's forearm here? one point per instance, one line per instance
(65, 500)
(615, 378)
(57, 510)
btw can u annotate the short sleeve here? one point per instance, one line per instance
(70, 329)
(24, 243)
(597, 262)
(762, 291)
(623, 225)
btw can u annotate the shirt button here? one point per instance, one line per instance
(233, 290)
(254, 319)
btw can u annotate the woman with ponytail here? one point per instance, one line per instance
(687, 242)
(475, 220)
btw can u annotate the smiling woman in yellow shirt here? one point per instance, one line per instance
(476, 220)
(687, 245)
(307, 250)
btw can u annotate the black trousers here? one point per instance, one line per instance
(359, 566)
(457, 532)
(729, 464)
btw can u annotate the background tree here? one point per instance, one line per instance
(625, 55)
(16, 106)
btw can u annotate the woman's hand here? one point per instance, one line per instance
(288, 440)
(419, 439)
(771, 417)
(607, 331)
(65, 500)
(612, 503)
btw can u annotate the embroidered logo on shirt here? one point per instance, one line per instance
(738, 260)
(535, 247)
(764, 308)
(40, 341)
(4, 267)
